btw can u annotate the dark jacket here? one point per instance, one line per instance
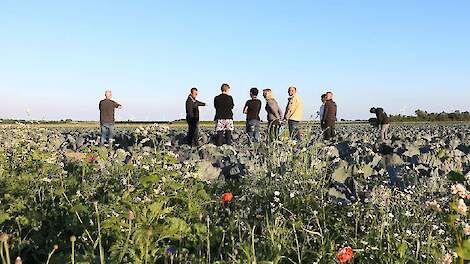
(223, 104)
(330, 111)
(382, 117)
(192, 108)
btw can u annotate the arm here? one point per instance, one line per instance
(325, 111)
(189, 109)
(245, 109)
(231, 103)
(293, 107)
(278, 113)
(200, 103)
(117, 105)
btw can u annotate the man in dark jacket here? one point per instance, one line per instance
(382, 121)
(329, 116)
(223, 104)
(192, 117)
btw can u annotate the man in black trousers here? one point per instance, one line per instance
(329, 116)
(223, 104)
(192, 117)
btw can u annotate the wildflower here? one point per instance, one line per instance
(446, 259)
(73, 238)
(226, 198)
(345, 255)
(18, 260)
(461, 207)
(467, 176)
(466, 229)
(459, 189)
(434, 206)
(292, 195)
(408, 214)
(277, 193)
(130, 215)
(92, 159)
(170, 251)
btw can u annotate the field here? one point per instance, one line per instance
(152, 199)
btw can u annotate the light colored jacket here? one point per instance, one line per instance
(294, 109)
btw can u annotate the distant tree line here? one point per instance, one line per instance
(424, 116)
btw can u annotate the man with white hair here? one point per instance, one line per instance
(107, 107)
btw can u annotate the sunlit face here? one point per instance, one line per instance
(194, 93)
(291, 91)
(108, 94)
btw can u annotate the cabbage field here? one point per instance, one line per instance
(152, 199)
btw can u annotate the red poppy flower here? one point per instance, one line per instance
(345, 255)
(92, 159)
(226, 198)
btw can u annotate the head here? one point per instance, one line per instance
(194, 92)
(268, 94)
(323, 98)
(292, 90)
(108, 94)
(254, 92)
(225, 88)
(329, 96)
(373, 110)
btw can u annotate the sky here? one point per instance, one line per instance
(58, 57)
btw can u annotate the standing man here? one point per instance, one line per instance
(321, 113)
(192, 117)
(294, 112)
(274, 114)
(107, 107)
(252, 109)
(383, 122)
(329, 116)
(223, 104)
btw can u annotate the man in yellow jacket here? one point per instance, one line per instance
(294, 112)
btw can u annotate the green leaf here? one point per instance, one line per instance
(452, 219)
(149, 180)
(4, 217)
(456, 176)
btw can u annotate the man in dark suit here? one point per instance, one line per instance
(329, 116)
(192, 117)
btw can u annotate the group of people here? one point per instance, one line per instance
(224, 123)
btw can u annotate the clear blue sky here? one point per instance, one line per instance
(58, 57)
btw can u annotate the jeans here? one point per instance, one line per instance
(193, 131)
(384, 131)
(329, 127)
(294, 129)
(252, 129)
(107, 133)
